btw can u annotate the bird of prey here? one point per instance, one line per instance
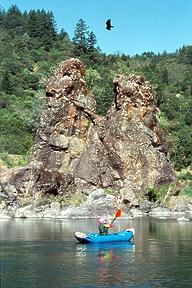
(108, 24)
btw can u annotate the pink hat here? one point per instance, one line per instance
(102, 220)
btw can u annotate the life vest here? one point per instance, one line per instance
(103, 229)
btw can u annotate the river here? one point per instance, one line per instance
(44, 254)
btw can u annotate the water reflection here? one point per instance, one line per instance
(110, 259)
(96, 248)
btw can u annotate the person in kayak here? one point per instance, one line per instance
(103, 226)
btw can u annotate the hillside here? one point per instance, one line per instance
(31, 47)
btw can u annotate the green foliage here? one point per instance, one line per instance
(80, 34)
(91, 41)
(41, 25)
(188, 191)
(2, 198)
(83, 39)
(158, 193)
(185, 179)
(14, 20)
(13, 160)
(6, 83)
(101, 84)
(65, 200)
(180, 145)
(74, 199)
(185, 176)
(109, 191)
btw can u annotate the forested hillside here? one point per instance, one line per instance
(30, 49)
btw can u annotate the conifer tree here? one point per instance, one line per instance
(80, 34)
(6, 83)
(14, 20)
(63, 34)
(91, 41)
(33, 24)
(2, 15)
(48, 29)
(41, 25)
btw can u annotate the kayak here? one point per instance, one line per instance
(122, 236)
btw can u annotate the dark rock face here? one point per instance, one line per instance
(78, 150)
(126, 151)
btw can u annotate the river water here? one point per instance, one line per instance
(44, 254)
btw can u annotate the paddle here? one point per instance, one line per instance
(117, 214)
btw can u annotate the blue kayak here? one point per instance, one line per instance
(122, 236)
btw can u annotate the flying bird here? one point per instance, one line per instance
(108, 24)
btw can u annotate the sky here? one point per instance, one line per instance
(139, 25)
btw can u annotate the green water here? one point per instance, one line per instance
(44, 254)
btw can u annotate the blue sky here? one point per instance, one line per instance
(140, 25)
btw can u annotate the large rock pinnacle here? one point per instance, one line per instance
(76, 150)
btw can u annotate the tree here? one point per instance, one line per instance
(80, 34)
(185, 55)
(180, 146)
(41, 25)
(91, 40)
(6, 84)
(189, 55)
(165, 75)
(63, 34)
(49, 29)
(2, 16)
(14, 20)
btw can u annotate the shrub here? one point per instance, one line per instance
(158, 193)
(185, 176)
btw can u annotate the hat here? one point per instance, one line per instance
(102, 220)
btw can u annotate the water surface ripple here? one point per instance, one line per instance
(44, 253)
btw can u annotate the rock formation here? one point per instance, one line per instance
(77, 150)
